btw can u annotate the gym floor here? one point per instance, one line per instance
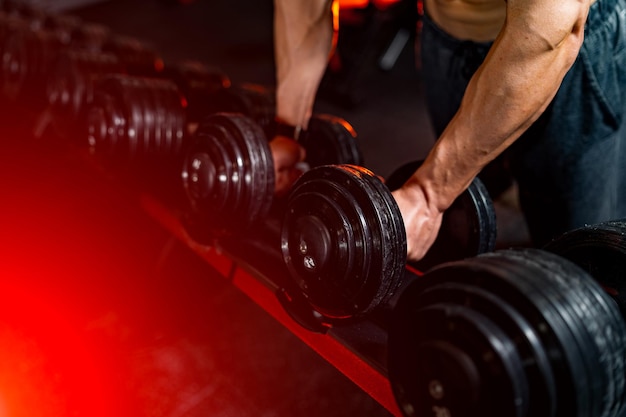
(169, 336)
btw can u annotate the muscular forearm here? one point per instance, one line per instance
(515, 84)
(303, 39)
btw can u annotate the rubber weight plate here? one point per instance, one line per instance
(511, 337)
(330, 140)
(197, 82)
(135, 120)
(71, 85)
(468, 227)
(343, 240)
(597, 320)
(255, 101)
(600, 250)
(228, 175)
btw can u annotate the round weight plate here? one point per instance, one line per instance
(600, 250)
(468, 227)
(140, 120)
(330, 140)
(71, 85)
(343, 240)
(16, 58)
(252, 100)
(228, 174)
(467, 367)
(120, 129)
(596, 322)
(197, 82)
(536, 363)
(105, 128)
(89, 36)
(544, 296)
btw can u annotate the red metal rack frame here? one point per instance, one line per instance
(263, 292)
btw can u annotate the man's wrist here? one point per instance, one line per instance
(282, 128)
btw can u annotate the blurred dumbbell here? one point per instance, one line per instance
(599, 249)
(228, 173)
(72, 79)
(327, 140)
(135, 126)
(89, 36)
(27, 57)
(199, 83)
(29, 49)
(344, 243)
(138, 57)
(71, 84)
(24, 11)
(512, 333)
(253, 100)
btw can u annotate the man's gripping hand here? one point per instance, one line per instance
(288, 155)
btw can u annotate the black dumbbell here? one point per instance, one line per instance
(253, 100)
(90, 36)
(134, 121)
(24, 11)
(344, 243)
(229, 171)
(515, 332)
(71, 85)
(599, 249)
(327, 140)
(139, 58)
(228, 176)
(199, 83)
(27, 58)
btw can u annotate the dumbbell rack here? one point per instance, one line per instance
(358, 350)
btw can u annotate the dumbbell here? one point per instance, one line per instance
(27, 57)
(328, 139)
(29, 52)
(136, 126)
(74, 73)
(138, 57)
(71, 85)
(199, 83)
(90, 36)
(518, 332)
(228, 172)
(599, 249)
(253, 100)
(343, 239)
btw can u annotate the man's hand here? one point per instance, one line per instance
(422, 219)
(287, 154)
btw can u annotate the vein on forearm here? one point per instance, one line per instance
(517, 81)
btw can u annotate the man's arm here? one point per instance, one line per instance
(304, 35)
(303, 41)
(521, 74)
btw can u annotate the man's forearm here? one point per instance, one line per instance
(515, 84)
(303, 31)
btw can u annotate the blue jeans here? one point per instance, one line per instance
(571, 164)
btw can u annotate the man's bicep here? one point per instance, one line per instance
(547, 24)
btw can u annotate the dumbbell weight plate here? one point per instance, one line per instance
(330, 140)
(600, 250)
(71, 83)
(228, 175)
(468, 227)
(253, 100)
(343, 240)
(198, 83)
(133, 121)
(542, 304)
